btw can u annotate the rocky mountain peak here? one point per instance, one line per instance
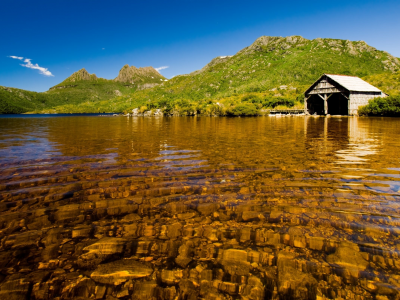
(82, 74)
(131, 74)
(274, 42)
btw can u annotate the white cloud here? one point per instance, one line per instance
(28, 64)
(161, 68)
(16, 57)
(42, 70)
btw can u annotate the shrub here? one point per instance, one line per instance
(388, 106)
(251, 98)
(300, 98)
(243, 109)
(213, 110)
(276, 101)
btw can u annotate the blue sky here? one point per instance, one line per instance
(60, 37)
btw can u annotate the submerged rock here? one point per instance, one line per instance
(104, 247)
(120, 271)
(348, 256)
(14, 289)
(293, 283)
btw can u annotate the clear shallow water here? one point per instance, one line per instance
(197, 207)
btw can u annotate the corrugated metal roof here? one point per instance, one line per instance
(352, 83)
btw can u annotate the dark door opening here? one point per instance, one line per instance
(315, 105)
(338, 105)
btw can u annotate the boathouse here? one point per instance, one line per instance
(339, 95)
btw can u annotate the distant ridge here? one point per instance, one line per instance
(135, 75)
(80, 75)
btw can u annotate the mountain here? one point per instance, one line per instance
(81, 75)
(274, 70)
(81, 88)
(135, 75)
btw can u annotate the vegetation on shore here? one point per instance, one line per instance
(388, 106)
(271, 73)
(249, 104)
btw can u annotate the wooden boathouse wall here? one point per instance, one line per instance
(358, 99)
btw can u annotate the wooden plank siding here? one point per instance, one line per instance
(358, 99)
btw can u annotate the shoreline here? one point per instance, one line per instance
(6, 116)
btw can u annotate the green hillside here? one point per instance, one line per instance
(273, 71)
(19, 101)
(389, 83)
(80, 88)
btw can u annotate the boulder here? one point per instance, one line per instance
(235, 262)
(293, 284)
(254, 290)
(348, 256)
(171, 276)
(235, 255)
(118, 272)
(104, 247)
(185, 255)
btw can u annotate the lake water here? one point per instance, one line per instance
(200, 207)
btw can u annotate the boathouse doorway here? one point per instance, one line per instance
(315, 105)
(338, 105)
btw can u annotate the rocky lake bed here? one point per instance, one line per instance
(199, 208)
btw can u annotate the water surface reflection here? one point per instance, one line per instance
(214, 208)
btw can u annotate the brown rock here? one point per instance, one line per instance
(185, 255)
(168, 293)
(235, 255)
(174, 230)
(131, 218)
(235, 262)
(82, 232)
(317, 243)
(171, 276)
(130, 230)
(105, 246)
(348, 256)
(254, 289)
(293, 283)
(14, 290)
(207, 208)
(100, 292)
(118, 272)
(250, 216)
(50, 252)
(144, 290)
